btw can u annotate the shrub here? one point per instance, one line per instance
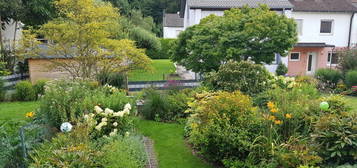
(66, 101)
(295, 108)
(115, 79)
(156, 106)
(306, 80)
(124, 152)
(74, 149)
(336, 138)
(351, 78)
(337, 103)
(107, 123)
(347, 60)
(281, 69)
(245, 76)
(39, 87)
(145, 39)
(223, 125)
(328, 78)
(24, 91)
(164, 52)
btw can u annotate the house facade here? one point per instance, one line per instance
(324, 26)
(173, 25)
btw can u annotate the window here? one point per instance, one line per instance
(294, 56)
(326, 26)
(299, 26)
(332, 58)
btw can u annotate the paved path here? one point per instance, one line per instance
(149, 148)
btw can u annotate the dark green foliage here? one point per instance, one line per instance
(164, 52)
(245, 76)
(281, 70)
(2, 90)
(24, 91)
(347, 60)
(39, 87)
(145, 39)
(156, 106)
(115, 79)
(166, 106)
(351, 78)
(328, 78)
(336, 137)
(235, 36)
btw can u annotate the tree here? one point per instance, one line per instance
(83, 34)
(255, 33)
(37, 12)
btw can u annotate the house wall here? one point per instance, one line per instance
(8, 33)
(354, 31)
(300, 67)
(172, 32)
(41, 69)
(311, 27)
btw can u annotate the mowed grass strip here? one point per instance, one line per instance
(169, 144)
(16, 110)
(160, 68)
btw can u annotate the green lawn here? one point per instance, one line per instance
(170, 147)
(160, 68)
(16, 110)
(352, 101)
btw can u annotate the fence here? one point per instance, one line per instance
(162, 85)
(11, 80)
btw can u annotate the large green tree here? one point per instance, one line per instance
(255, 33)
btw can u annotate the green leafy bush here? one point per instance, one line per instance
(338, 104)
(39, 87)
(145, 39)
(351, 78)
(66, 101)
(108, 123)
(281, 69)
(328, 78)
(223, 126)
(164, 52)
(115, 79)
(156, 106)
(245, 76)
(336, 138)
(124, 152)
(347, 60)
(24, 91)
(74, 149)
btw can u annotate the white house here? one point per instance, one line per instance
(173, 25)
(12, 31)
(324, 26)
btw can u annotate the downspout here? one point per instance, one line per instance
(350, 31)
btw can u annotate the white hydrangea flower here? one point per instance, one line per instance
(115, 130)
(127, 133)
(108, 111)
(115, 124)
(91, 115)
(112, 134)
(98, 127)
(127, 106)
(104, 123)
(119, 114)
(126, 111)
(98, 109)
(86, 117)
(104, 119)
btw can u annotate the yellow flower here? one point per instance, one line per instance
(30, 114)
(288, 115)
(272, 118)
(274, 110)
(278, 122)
(271, 105)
